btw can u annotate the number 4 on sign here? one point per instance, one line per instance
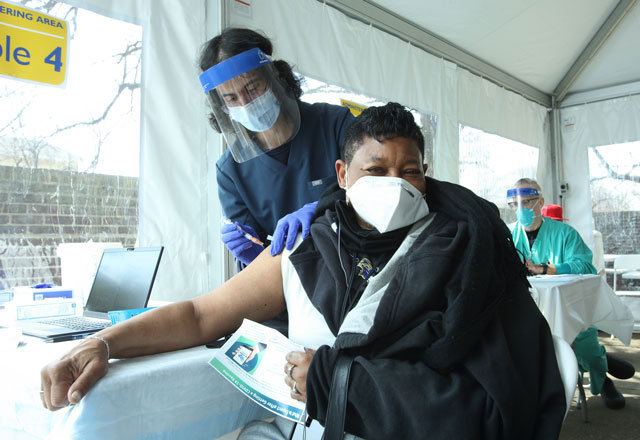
(54, 58)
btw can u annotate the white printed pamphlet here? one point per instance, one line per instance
(253, 360)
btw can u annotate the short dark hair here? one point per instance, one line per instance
(381, 123)
(233, 41)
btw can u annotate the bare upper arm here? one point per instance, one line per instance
(255, 293)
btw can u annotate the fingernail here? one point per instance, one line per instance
(76, 396)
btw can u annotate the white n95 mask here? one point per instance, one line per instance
(260, 114)
(387, 203)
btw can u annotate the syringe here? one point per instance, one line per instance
(245, 234)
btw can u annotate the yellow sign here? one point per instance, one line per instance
(33, 46)
(355, 108)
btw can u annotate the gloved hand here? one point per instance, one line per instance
(241, 247)
(289, 225)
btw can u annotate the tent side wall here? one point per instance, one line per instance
(324, 43)
(174, 160)
(607, 122)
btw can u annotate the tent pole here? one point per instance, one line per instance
(611, 23)
(557, 174)
(400, 27)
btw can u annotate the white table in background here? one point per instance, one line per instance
(573, 303)
(174, 395)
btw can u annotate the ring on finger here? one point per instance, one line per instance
(289, 370)
(294, 389)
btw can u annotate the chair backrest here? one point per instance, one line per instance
(624, 263)
(568, 366)
(598, 254)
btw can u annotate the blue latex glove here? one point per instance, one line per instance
(289, 226)
(241, 247)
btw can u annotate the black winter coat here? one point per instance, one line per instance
(457, 348)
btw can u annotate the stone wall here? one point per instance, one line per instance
(620, 235)
(41, 208)
(620, 231)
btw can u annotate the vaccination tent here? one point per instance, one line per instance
(559, 77)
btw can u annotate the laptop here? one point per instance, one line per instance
(123, 280)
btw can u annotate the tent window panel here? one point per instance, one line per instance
(614, 173)
(490, 164)
(318, 91)
(69, 157)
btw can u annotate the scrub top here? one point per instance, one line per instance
(557, 243)
(262, 190)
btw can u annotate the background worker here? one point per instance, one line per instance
(550, 247)
(281, 151)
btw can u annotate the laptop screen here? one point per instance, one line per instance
(124, 279)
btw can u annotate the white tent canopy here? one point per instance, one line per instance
(508, 67)
(538, 42)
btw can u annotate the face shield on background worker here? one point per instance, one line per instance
(524, 201)
(253, 110)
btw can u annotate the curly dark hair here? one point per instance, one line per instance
(381, 123)
(233, 41)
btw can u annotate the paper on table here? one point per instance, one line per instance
(556, 279)
(253, 361)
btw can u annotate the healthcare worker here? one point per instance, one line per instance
(547, 246)
(550, 247)
(281, 151)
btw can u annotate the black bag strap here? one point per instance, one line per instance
(337, 408)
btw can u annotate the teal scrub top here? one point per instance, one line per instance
(557, 243)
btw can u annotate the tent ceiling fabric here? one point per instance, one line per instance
(617, 62)
(535, 42)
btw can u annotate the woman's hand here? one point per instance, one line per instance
(296, 370)
(67, 380)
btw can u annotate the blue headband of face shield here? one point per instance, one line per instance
(515, 192)
(232, 67)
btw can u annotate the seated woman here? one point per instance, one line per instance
(414, 281)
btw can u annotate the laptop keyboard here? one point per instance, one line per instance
(79, 323)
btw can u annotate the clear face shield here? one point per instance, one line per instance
(523, 201)
(253, 110)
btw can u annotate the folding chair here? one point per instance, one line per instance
(568, 365)
(628, 266)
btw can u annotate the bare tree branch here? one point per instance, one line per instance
(121, 88)
(26, 152)
(96, 157)
(131, 50)
(10, 122)
(604, 200)
(613, 173)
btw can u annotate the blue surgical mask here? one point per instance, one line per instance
(525, 216)
(260, 114)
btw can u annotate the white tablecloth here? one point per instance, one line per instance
(173, 395)
(573, 303)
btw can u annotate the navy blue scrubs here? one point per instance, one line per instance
(262, 190)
